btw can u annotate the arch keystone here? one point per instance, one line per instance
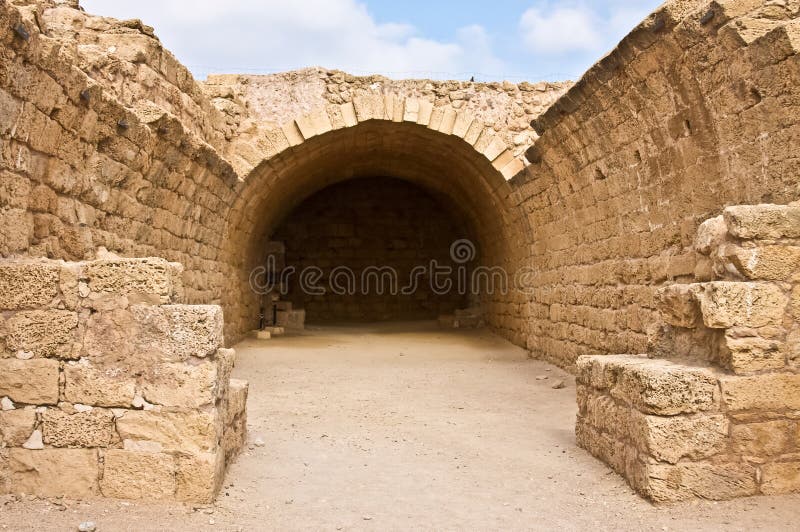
(411, 110)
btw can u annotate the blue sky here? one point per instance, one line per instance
(492, 40)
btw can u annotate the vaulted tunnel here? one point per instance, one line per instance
(404, 195)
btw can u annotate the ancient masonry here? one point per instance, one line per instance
(651, 203)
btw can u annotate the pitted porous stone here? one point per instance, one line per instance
(150, 279)
(138, 475)
(199, 476)
(94, 428)
(27, 285)
(679, 306)
(667, 482)
(45, 333)
(775, 263)
(669, 439)
(770, 391)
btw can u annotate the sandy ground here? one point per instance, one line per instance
(407, 427)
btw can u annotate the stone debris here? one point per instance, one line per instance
(35, 441)
(87, 526)
(558, 385)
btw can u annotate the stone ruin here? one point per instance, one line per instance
(652, 203)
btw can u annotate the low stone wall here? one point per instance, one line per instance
(721, 419)
(109, 386)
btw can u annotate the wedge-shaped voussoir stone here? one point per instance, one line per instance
(33, 382)
(27, 285)
(138, 475)
(763, 221)
(664, 388)
(731, 304)
(71, 473)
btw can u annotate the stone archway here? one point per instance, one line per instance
(443, 151)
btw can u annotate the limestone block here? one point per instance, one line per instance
(780, 477)
(226, 359)
(5, 472)
(750, 354)
(730, 304)
(94, 428)
(762, 439)
(795, 306)
(16, 426)
(369, 107)
(33, 382)
(763, 221)
(411, 110)
(199, 476)
(177, 332)
(714, 481)
(70, 473)
(710, 235)
(45, 333)
(679, 306)
(150, 279)
(138, 475)
(663, 388)
(190, 432)
(315, 123)
(27, 285)
(98, 386)
(668, 439)
(237, 400)
(771, 391)
(181, 385)
(774, 263)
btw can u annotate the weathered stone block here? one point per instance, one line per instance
(94, 428)
(147, 280)
(763, 221)
(774, 263)
(190, 432)
(5, 472)
(780, 477)
(762, 439)
(710, 235)
(138, 475)
(45, 333)
(71, 473)
(237, 399)
(27, 285)
(730, 304)
(668, 439)
(16, 426)
(199, 476)
(771, 391)
(33, 382)
(181, 385)
(663, 388)
(226, 359)
(178, 332)
(679, 306)
(750, 354)
(97, 386)
(715, 481)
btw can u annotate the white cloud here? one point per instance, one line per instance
(274, 35)
(560, 30)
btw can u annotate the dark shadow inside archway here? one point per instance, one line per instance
(382, 250)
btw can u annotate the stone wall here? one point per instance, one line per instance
(368, 223)
(109, 386)
(718, 420)
(697, 109)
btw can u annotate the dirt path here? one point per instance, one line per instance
(405, 426)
